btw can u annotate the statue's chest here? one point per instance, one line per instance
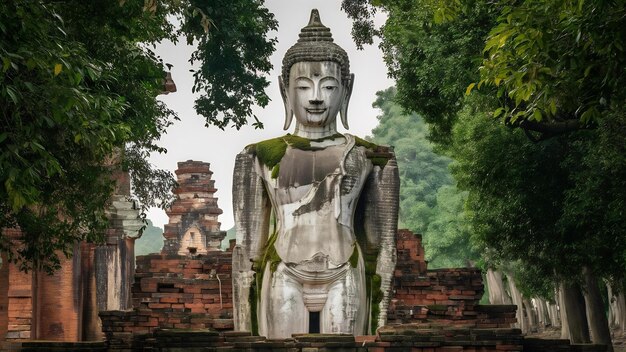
(304, 167)
(308, 180)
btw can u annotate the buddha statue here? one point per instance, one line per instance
(315, 211)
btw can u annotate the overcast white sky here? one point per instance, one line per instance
(188, 139)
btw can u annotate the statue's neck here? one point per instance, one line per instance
(315, 132)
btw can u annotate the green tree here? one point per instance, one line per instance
(79, 82)
(448, 236)
(553, 66)
(422, 171)
(151, 240)
(429, 202)
(431, 61)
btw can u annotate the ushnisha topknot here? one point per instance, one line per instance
(315, 44)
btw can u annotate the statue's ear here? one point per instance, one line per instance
(286, 103)
(347, 92)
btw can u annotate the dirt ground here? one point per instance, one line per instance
(619, 340)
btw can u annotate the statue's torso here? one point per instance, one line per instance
(314, 197)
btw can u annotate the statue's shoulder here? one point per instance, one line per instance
(378, 154)
(269, 152)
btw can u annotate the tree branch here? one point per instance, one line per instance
(552, 128)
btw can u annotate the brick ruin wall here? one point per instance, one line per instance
(173, 291)
(35, 305)
(431, 311)
(447, 296)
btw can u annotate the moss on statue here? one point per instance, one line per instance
(354, 258)
(370, 253)
(271, 257)
(376, 297)
(360, 142)
(270, 152)
(276, 171)
(377, 160)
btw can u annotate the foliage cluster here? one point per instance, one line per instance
(527, 98)
(78, 89)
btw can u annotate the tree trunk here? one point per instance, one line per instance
(522, 323)
(497, 293)
(614, 313)
(553, 312)
(542, 313)
(600, 333)
(574, 304)
(621, 302)
(531, 317)
(563, 313)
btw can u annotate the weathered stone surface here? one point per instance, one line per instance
(319, 267)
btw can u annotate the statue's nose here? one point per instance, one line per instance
(316, 102)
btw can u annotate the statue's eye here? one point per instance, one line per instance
(330, 87)
(302, 87)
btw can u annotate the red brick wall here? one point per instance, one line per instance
(4, 298)
(177, 292)
(20, 309)
(447, 296)
(59, 302)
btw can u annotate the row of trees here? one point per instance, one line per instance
(78, 86)
(527, 98)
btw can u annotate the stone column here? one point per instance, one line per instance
(58, 301)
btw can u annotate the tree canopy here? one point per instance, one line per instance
(78, 99)
(430, 204)
(553, 66)
(527, 98)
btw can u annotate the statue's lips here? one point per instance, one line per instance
(315, 111)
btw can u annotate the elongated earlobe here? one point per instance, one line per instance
(286, 103)
(343, 111)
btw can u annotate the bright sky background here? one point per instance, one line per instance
(188, 139)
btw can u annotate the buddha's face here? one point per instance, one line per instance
(315, 92)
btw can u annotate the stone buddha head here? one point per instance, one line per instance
(316, 82)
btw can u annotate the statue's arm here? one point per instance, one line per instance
(381, 225)
(251, 209)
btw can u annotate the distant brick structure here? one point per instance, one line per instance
(193, 227)
(188, 285)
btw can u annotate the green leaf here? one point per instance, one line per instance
(57, 69)
(6, 63)
(12, 94)
(469, 88)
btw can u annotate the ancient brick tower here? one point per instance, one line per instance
(193, 227)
